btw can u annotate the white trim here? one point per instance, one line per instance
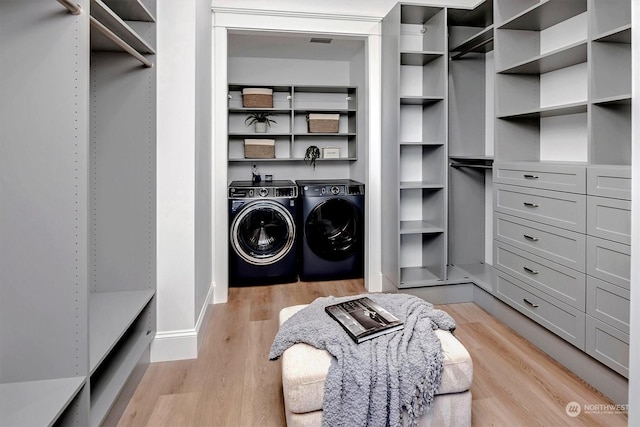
(225, 20)
(182, 344)
(290, 14)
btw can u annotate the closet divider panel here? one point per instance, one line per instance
(44, 54)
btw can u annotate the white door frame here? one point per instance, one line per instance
(369, 28)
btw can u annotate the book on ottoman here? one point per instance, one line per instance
(363, 319)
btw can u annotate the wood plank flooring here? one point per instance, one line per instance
(232, 383)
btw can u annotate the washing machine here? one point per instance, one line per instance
(262, 233)
(332, 229)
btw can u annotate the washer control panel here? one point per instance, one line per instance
(243, 190)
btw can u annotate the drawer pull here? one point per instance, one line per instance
(529, 176)
(531, 205)
(533, 239)
(530, 303)
(530, 270)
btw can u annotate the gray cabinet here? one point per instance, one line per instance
(78, 161)
(609, 265)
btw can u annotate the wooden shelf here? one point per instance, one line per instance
(624, 99)
(545, 14)
(37, 403)
(292, 159)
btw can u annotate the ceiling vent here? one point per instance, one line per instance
(320, 40)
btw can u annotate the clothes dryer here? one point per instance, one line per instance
(262, 233)
(332, 229)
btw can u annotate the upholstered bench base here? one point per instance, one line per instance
(304, 369)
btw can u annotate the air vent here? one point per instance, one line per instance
(320, 40)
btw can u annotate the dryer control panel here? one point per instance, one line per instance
(331, 188)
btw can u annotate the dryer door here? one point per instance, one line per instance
(334, 229)
(263, 232)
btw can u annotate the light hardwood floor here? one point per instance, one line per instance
(232, 382)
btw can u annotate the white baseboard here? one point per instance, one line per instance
(182, 344)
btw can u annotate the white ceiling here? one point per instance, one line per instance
(291, 46)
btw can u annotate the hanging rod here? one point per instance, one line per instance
(469, 49)
(73, 8)
(117, 40)
(468, 165)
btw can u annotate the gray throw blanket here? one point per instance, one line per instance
(369, 384)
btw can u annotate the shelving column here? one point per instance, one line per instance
(415, 147)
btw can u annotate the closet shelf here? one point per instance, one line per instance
(419, 227)
(133, 10)
(418, 58)
(560, 110)
(621, 34)
(291, 159)
(111, 314)
(420, 100)
(247, 110)
(105, 389)
(416, 185)
(624, 99)
(411, 277)
(115, 25)
(573, 54)
(484, 162)
(545, 14)
(37, 403)
(481, 42)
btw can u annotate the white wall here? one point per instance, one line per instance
(184, 176)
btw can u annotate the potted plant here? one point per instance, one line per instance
(311, 155)
(260, 119)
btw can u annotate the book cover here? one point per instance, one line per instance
(363, 319)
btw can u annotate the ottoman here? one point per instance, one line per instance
(304, 369)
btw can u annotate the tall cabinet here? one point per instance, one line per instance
(414, 145)
(77, 222)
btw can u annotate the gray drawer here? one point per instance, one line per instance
(610, 261)
(608, 303)
(609, 219)
(553, 243)
(564, 210)
(562, 319)
(607, 345)
(561, 282)
(549, 176)
(609, 181)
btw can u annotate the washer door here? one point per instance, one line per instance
(263, 232)
(334, 229)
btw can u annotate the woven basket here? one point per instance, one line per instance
(257, 98)
(259, 148)
(324, 123)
